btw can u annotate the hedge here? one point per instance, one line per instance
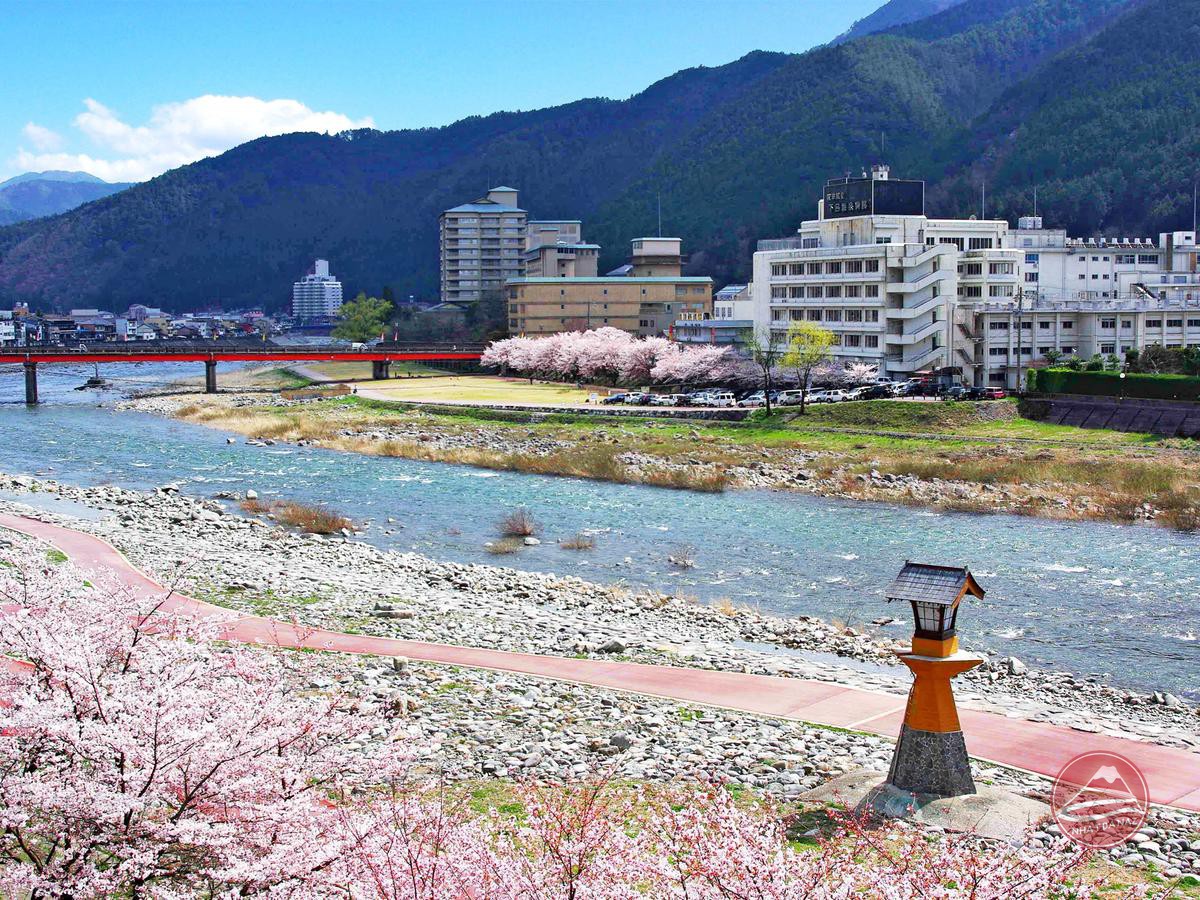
(1110, 384)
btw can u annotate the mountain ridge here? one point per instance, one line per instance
(737, 152)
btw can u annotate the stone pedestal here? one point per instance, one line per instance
(931, 762)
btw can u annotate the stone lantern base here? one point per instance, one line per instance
(931, 763)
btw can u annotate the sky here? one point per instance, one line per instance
(126, 89)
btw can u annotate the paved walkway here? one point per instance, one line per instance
(1173, 775)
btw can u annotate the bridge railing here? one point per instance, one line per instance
(257, 349)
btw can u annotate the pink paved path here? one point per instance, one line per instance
(1173, 775)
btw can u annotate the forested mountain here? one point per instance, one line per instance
(1092, 100)
(893, 13)
(36, 194)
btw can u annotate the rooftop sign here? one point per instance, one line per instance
(845, 197)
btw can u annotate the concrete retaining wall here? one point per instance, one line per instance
(1169, 418)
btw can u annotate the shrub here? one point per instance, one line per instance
(312, 518)
(683, 557)
(519, 523)
(1110, 384)
(578, 541)
(504, 546)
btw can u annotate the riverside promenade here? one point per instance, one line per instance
(1173, 775)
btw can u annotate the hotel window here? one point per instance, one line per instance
(778, 315)
(778, 269)
(853, 290)
(1193, 323)
(883, 240)
(871, 340)
(833, 268)
(1154, 323)
(816, 291)
(796, 269)
(834, 290)
(1000, 268)
(1108, 348)
(870, 290)
(853, 340)
(814, 268)
(854, 315)
(854, 265)
(972, 290)
(973, 269)
(833, 315)
(1042, 351)
(809, 243)
(997, 351)
(1031, 259)
(1000, 290)
(1126, 259)
(871, 265)
(1045, 325)
(1068, 351)
(1108, 323)
(778, 292)
(870, 315)
(814, 315)
(1150, 259)
(997, 326)
(1067, 324)
(1174, 323)
(1128, 323)
(980, 244)
(796, 292)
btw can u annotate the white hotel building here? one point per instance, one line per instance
(318, 295)
(914, 294)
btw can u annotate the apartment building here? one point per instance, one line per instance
(555, 248)
(889, 282)
(481, 245)
(1087, 296)
(733, 315)
(318, 295)
(643, 297)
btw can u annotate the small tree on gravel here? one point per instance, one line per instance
(765, 351)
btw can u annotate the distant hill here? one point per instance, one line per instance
(893, 13)
(36, 194)
(1064, 94)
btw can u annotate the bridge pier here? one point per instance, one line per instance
(210, 376)
(31, 393)
(381, 369)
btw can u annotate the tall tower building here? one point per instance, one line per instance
(318, 295)
(481, 245)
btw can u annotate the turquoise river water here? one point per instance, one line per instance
(1087, 597)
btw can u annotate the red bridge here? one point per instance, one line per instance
(381, 356)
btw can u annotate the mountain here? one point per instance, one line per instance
(893, 13)
(1062, 94)
(36, 194)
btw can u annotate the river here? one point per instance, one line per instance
(1087, 597)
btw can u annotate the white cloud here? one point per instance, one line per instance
(176, 134)
(41, 137)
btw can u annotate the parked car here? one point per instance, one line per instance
(955, 392)
(994, 393)
(663, 400)
(614, 398)
(717, 399)
(821, 396)
(876, 392)
(857, 393)
(755, 399)
(637, 397)
(975, 393)
(790, 398)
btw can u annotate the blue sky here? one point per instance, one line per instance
(129, 89)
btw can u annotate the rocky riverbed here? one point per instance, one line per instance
(479, 724)
(822, 473)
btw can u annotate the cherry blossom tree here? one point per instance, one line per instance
(138, 757)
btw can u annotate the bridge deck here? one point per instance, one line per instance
(274, 354)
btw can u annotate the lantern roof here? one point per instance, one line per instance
(924, 583)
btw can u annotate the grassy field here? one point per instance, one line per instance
(476, 389)
(361, 371)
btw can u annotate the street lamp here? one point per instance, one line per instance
(931, 754)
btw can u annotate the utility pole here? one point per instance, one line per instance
(983, 199)
(660, 213)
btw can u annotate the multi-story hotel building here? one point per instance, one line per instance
(643, 297)
(481, 245)
(555, 248)
(884, 278)
(318, 295)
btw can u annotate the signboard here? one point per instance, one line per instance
(868, 196)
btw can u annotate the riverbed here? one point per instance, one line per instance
(1087, 597)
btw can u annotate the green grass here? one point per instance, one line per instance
(56, 556)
